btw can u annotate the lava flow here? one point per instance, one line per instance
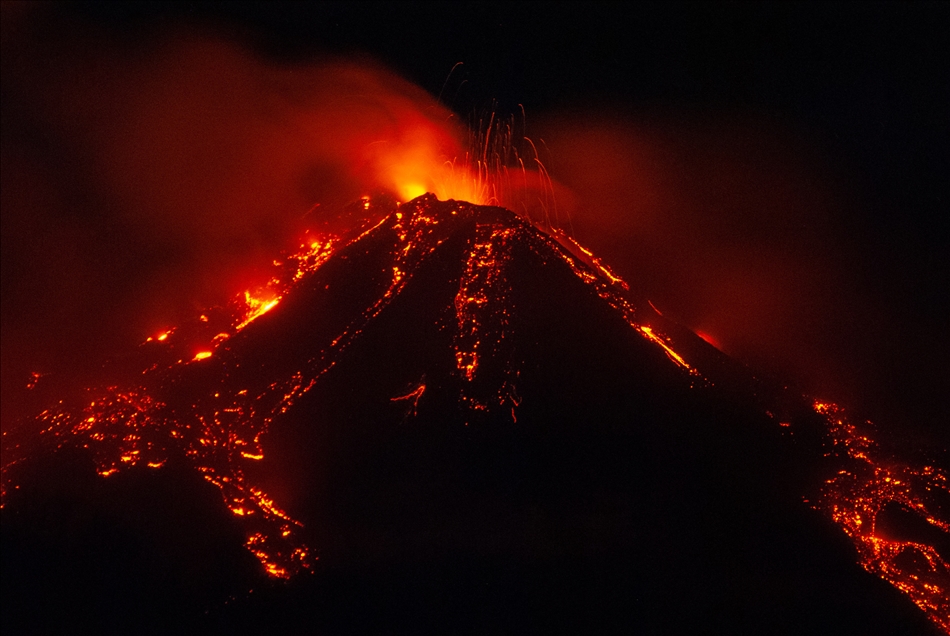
(125, 426)
(867, 482)
(209, 393)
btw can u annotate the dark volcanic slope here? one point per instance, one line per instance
(474, 428)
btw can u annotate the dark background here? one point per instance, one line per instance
(834, 114)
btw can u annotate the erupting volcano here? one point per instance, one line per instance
(447, 418)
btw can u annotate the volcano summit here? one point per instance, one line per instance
(449, 420)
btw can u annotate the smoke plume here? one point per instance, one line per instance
(145, 180)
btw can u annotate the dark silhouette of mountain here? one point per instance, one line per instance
(451, 422)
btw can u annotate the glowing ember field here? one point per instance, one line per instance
(142, 419)
(855, 496)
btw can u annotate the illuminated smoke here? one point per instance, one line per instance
(731, 224)
(144, 181)
(141, 182)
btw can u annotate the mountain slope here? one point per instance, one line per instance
(450, 422)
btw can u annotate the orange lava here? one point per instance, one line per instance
(855, 496)
(220, 434)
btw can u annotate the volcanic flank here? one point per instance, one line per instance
(450, 420)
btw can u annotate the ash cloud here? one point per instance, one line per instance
(144, 179)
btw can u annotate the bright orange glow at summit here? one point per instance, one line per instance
(420, 166)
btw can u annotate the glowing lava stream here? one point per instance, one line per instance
(220, 433)
(483, 315)
(857, 494)
(126, 427)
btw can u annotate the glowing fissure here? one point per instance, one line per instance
(855, 497)
(483, 313)
(611, 289)
(414, 244)
(412, 397)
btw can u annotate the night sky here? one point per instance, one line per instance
(771, 175)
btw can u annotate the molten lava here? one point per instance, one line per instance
(146, 418)
(868, 481)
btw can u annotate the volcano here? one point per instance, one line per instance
(451, 420)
